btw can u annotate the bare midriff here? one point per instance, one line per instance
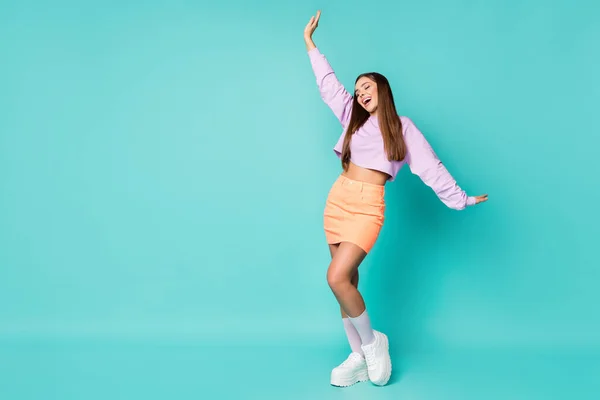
(361, 174)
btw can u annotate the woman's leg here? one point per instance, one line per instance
(342, 270)
(354, 280)
(344, 265)
(351, 332)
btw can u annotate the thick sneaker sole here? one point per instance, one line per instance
(345, 381)
(388, 365)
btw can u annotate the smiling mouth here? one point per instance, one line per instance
(366, 101)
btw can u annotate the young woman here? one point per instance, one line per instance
(375, 144)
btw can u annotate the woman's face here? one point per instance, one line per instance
(365, 92)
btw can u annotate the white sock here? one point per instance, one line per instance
(362, 323)
(353, 337)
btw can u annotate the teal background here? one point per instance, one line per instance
(164, 166)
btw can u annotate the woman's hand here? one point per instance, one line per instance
(310, 29)
(481, 199)
(311, 26)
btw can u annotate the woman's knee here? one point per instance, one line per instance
(337, 279)
(354, 279)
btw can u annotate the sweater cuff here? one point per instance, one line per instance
(314, 52)
(471, 201)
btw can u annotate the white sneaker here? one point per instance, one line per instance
(351, 371)
(377, 357)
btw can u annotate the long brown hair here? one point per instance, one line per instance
(389, 121)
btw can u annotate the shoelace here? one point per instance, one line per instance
(351, 359)
(370, 357)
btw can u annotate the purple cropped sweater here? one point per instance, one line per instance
(366, 147)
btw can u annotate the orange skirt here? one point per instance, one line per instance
(354, 212)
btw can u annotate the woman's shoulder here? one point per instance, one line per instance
(407, 123)
(409, 129)
(405, 119)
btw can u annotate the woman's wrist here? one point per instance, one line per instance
(309, 43)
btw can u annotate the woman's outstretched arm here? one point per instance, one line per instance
(423, 162)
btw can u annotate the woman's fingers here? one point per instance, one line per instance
(314, 22)
(480, 199)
